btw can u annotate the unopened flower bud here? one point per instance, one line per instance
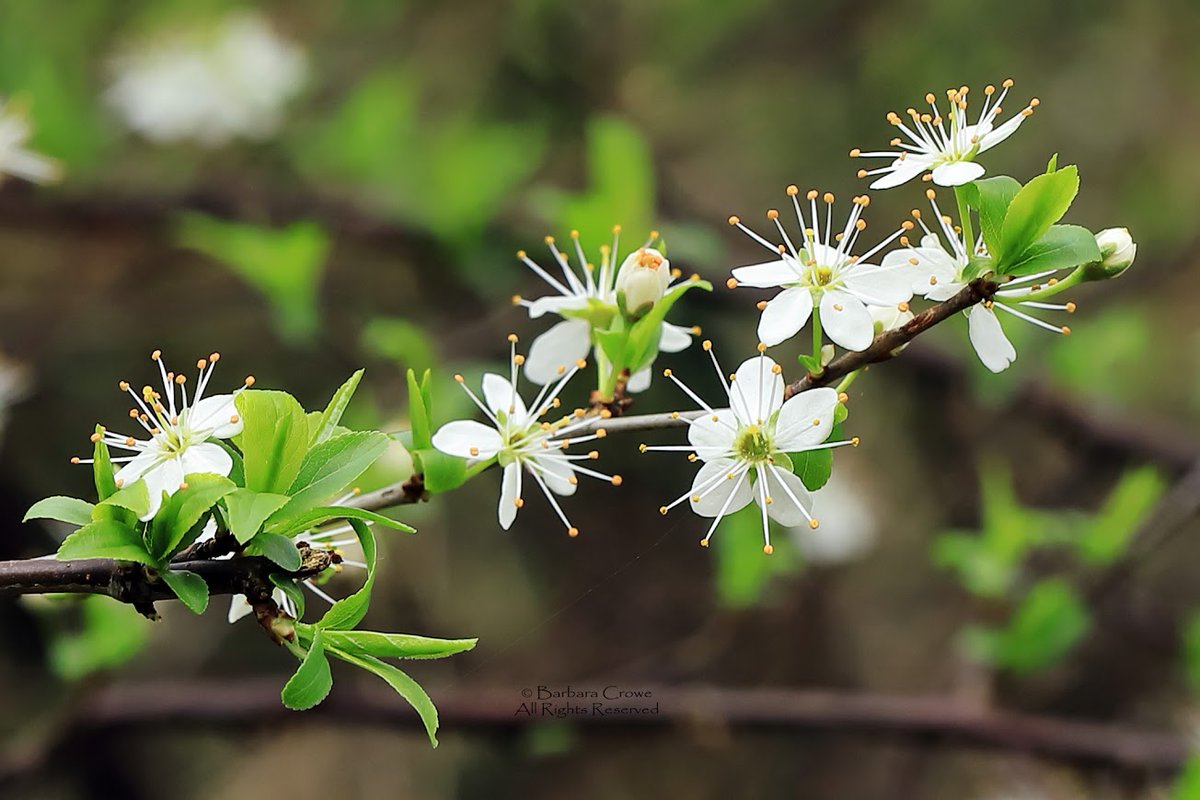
(827, 353)
(1117, 251)
(643, 278)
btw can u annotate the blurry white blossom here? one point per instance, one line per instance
(848, 530)
(15, 158)
(209, 85)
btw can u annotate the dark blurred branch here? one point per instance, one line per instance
(141, 586)
(238, 704)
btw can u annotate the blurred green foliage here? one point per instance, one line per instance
(107, 636)
(1046, 617)
(284, 264)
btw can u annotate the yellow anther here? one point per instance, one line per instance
(572, 532)
(902, 307)
(642, 447)
(667, 372)
(776, 370)
(474, 451)
(814, 524)
(762, 348)
(793, 190)
(250, 380)
(827, 197)
(862, 173)
(855, 441)
(95, 437)
(183, 486)
(733, 219)
(459, 378)
(692, 457)
(1071, 308)
(731, 283)
(123, 386)
(518, 502)
(761, 305)
(214, 357)
(512, 337)
(233, 418)
(156, 355)
(518, 359)
(843, 397)
(768, 549)
(855, 153)
(75, 459)
(600, 432)
(662, 510)
(617, 480)
(1066, 330)
(521, 254)
(119, 482)
(812, 194)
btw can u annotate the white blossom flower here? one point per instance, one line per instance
(745, 447)
(15, 158)
(208, 85)
(938, 274)
(339, 539)
(590, 297)
(947, 146)
(522, 442)
(179, 430)
(849, 531)
(821, 271)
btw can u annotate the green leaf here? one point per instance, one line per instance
(349, 611)
(442, 471)
(742, 571)
(321, 515)
(102, 469)
(1049, 622)
(991, 197)
(1062, 247)
(814, 467)
(311, 682)
(330, 467)
(1038, 205)
(184, 510)
(337, 406)
(1107, 535)
(405, 686)
(247, 510)
(64, 509)
(1052, 164)
(1187, 785)
(279, 549)
(112, 633)
(396, 645)
(285, 264)
(105, 538)
(189, 587)
(644, 336)
(418, 414)
(134, 498)
(274, 439)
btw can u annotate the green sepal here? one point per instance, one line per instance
(102, 469)
(441, 471)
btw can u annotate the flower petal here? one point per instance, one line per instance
(675, 338)
(785, 315)
(502, 398)
(713, 438)
(956, 173)
(756, 391)
(639, 381)
(998, 135)
(879, 286)
(206, 457)
(788, 495)
(239, 607)
(213, 416)
(903, 171)
(806, 419)
(846, 321)
(560, 346)
(165, 477)
(556, 305)
(557, 473)
(767, 275)
(510, 490)
(467, 438)
(715, 489)
(992, 346)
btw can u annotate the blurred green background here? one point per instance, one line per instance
(375, 226)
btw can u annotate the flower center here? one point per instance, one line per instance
(753, 445)
(822, 276)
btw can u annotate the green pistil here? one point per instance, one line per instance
(753, 445)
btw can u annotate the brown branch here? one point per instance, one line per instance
(886, 344)
(236, 704)
(141, 586)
